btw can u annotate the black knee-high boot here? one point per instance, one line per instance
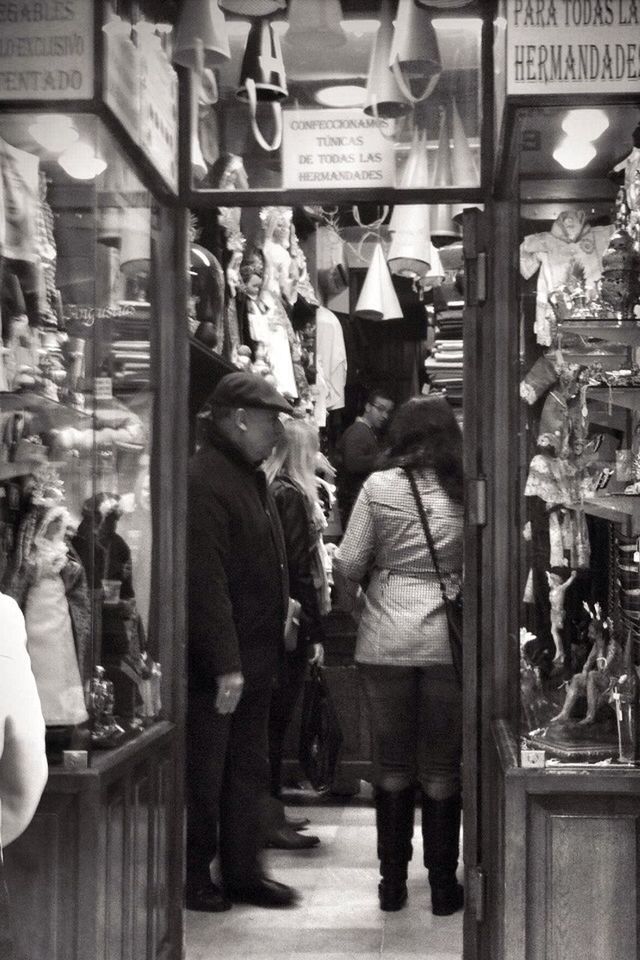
(394, 822)
(440, 834)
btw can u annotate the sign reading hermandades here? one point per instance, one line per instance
(46, 49)
(573, 46)
(335, 148)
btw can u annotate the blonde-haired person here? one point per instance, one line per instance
(291, 474)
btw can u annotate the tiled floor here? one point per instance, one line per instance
(338, 917)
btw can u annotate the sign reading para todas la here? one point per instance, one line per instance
(46, 50)
(573, 46)
(336, 148)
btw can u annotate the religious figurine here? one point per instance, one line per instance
(601, 670)
(559, 580)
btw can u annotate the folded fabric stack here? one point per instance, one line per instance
(444, 365)
(131, 348)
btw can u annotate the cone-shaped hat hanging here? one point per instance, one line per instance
(378, 299)
(315, 22)
(414, 57)
(443, 228)
(384, 96)
(410, 243)
(253, 8)
(435, 274)
(463, 162)
(263, 64)
(201, 35)
(416, 169)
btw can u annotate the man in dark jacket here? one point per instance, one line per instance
(238, 591)
(359, 448)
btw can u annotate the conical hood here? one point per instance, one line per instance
(263, 63)
(378, 299)
(384, 97)
(315, 22)
(416, 169)
(443, 228)
(201, 35)
(415, 57)
(410, 243)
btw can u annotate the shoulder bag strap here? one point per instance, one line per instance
(426, 528)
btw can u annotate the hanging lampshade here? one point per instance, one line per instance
(262, 63)
(410, 243)
(253, 8)
(378, 299)
(384, 98)
(316, 23)
(443, 228)
(416, 169)
(415, 57)
(201, 35)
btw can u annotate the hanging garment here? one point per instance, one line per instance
(571, 239)
(332, 355)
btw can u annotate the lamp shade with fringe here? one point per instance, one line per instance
(316, 23)
(410, 247)
(201, 35)
(378, 299)
(263, 64)
(384, 98)
(443, 228)
(253, 8)
(415, 57)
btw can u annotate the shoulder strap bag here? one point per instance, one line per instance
(452, 605)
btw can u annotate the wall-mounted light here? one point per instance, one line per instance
(585, 124)
(574, 154)
(54, 132)
(81, 163)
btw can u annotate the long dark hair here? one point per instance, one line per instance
(425, 433)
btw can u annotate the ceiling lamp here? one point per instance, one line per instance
(263, 79)
(54, 132)
(316, 23)
(80, 162)
(201, 36)
(384, 97)
(443, 227)
(341, 95)
(410, 243)
(378, 299)
(415, 57)
(573, 154)
(585, 124)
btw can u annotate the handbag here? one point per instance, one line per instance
(320, 732)
(452, 604)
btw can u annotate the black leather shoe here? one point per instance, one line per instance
(297, 823)
(284, 838)
(264, 893)
(446, 899)
(207, 898)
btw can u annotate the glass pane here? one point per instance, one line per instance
(75, 409)
(306, 98)
(580, 405)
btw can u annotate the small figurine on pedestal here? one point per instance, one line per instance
(559, 580)
(105, 731)
(599, 674)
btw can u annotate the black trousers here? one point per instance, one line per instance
(284, 697)
(227, 785)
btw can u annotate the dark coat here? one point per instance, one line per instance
(237, 577)
(300, 541)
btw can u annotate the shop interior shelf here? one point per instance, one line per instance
(618, 331)
(618, 508)
(628, 397)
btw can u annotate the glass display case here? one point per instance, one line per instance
(76, 400)
(578, 463)
(336, 95)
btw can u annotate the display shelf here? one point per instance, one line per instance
(616, 507)
(628, 397)
(61, 414)
(618, 331)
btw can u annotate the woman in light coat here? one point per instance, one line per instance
(402, 649)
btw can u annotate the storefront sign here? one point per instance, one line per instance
(46, 49)
(336, 148)
(573, 46)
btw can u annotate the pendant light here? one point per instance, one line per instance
(443, 228)
(263, 79)
(201, 36)
(378, 299)
(384, 98)
(415, 57)
(315, 23)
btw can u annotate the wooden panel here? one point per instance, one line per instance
(115, 876)
(159, 912)
(583, 862)
(141, 873)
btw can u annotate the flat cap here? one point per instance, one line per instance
(248, 390)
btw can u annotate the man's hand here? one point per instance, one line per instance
(317, 655)
(229, 691)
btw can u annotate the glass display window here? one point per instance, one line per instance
(76, 399)
(578, 457)
(332, 95)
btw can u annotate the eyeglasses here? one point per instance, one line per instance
(383, 408)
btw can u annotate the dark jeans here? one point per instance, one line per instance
(416, 726)
(227, 785)
(284, 698)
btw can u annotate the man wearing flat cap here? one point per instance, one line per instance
(237, 595)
